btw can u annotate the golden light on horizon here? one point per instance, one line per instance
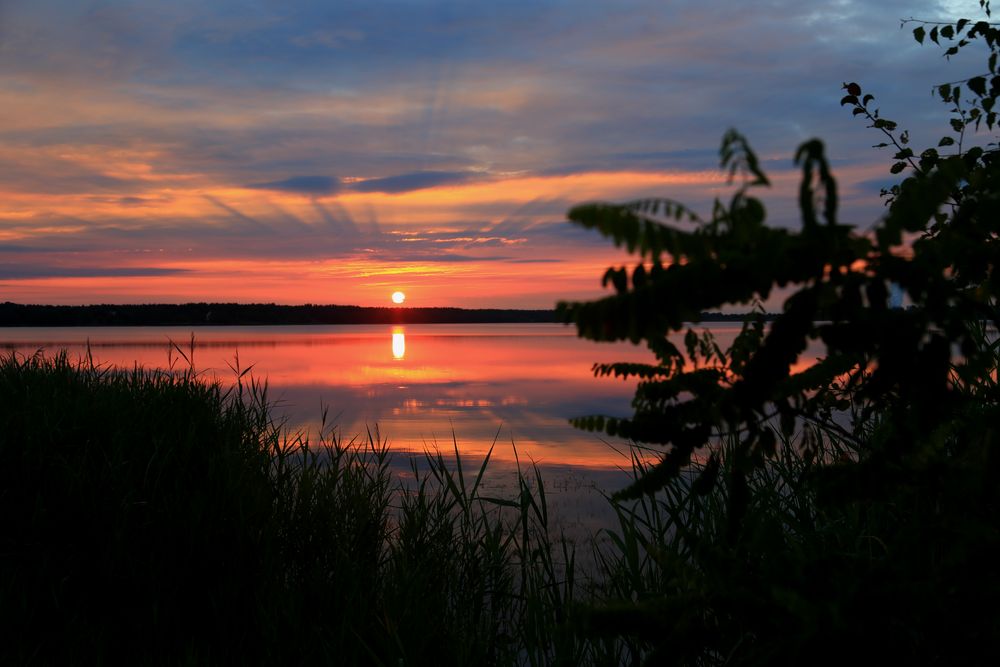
(398, 297)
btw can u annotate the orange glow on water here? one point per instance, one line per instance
(421, 385)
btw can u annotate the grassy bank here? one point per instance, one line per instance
(152, 518)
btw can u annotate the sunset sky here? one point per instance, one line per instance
(334, 152)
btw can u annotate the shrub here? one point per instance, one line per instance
(885, 527)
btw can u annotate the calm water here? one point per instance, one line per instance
(420, 384)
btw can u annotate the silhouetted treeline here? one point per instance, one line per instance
(188, 314)
(194, 314)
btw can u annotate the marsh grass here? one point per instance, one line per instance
(904, 577)
(154, 517)
(677, 585)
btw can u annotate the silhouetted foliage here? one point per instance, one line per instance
(906, 399)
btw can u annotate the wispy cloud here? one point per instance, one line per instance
(309, 131)
(20, 272)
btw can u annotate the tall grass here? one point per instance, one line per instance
(151, 517)
(155, 518)
(806, 577)
(678, 585)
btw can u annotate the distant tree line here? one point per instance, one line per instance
(204, 314)
(228, 314)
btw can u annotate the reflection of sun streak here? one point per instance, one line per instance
(398, 344)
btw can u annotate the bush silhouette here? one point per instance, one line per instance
(894, 428)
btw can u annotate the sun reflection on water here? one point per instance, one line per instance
(398, 343)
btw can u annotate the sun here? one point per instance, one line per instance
(398, 297)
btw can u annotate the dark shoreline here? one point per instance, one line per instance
(235, 314)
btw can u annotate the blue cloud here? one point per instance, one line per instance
(306, 185)
(414, 181)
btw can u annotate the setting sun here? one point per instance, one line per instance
(398, 297)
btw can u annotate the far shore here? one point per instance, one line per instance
(237, 314)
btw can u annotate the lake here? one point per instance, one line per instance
(423, 386)
(420, 384)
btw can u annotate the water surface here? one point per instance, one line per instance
(422, 385)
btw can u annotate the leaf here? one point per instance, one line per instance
(934, 35)
(957, 124)
(626, 370)
(736, 154)
(944, 90)
(617, 277)
(977, 84)
(961, 24)
(947, 32)
(898, 167)
(811, 156)
(639, 276)
(848, 99)
(867, 98)
(946, 141)
(918, 34)
(690, 342)
(852, 89)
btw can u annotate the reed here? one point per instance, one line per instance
(152, 517)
